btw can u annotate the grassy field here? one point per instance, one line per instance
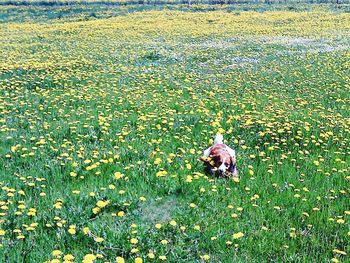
(105, 111)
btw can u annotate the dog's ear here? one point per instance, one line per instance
(232, 168)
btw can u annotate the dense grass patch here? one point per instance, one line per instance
(103, 119)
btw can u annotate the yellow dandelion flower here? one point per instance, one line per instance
(119, 260)
(134, 241)
(205, 257)
(238, 235)
(56, 253)
(99, 239)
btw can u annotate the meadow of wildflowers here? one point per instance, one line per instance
(103, 117)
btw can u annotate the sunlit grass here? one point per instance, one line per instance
(103, 120)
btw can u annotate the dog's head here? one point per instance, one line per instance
(223, 161)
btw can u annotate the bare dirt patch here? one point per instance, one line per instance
(158, 210)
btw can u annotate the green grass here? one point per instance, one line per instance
(124, 90)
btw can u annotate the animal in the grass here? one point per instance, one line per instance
(220, 158)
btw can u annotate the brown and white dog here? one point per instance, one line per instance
(220, 158)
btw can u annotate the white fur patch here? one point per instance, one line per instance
(231, 151)
(222, 167)
(207, 152)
